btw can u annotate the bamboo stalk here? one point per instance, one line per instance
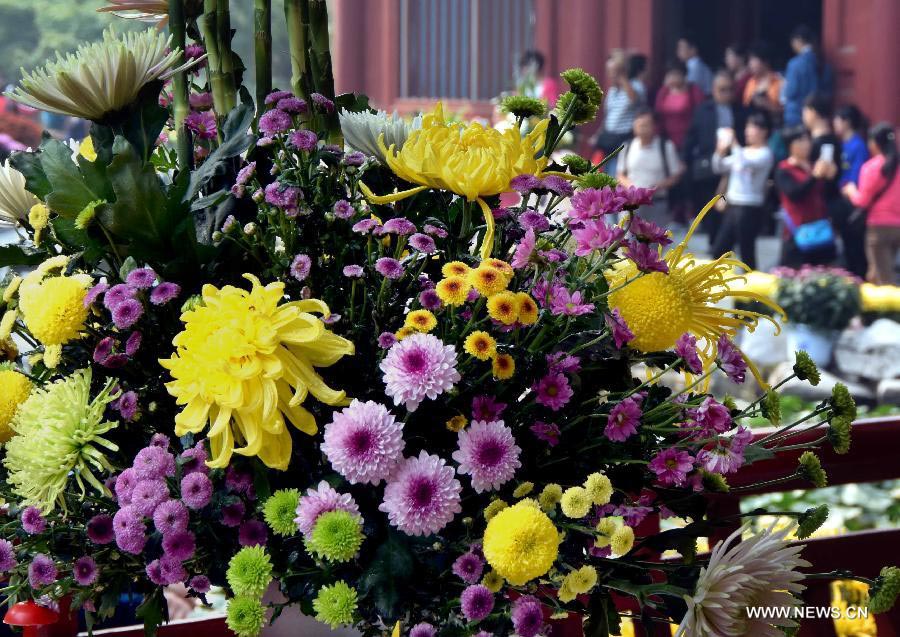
(321, 71)
(181, 106)
(226, 57)
(207, 24)
(263, 51)
(294, 12)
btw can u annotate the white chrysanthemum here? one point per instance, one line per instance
(758, 572)
(15, 201)
(144, 10)
(98, 78)
(361, 130)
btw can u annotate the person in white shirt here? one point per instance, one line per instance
(748, 169)
(649, 160)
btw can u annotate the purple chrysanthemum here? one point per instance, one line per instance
(524, 183)
(353, 271)
(686, 349)
(354, 159)
(417, 367)
(321, 500)
(160, 440)
(623, 420)
(364, 226)
(233, 514)
(172, 570)
(170, 517)
(7, 556)
(524, 250)
(252, 533)
(200, 584)
(202, 124)
(322, 102)
(148, 494)
(179, 545)
(84, 571)
(301, 266)
(42, 571)
(274, 122)
(633, 197)
(238, 480)
(127, 313)
(292, 105)
(196, 490)
(400, 226)
(244, 174)
(592, 202)
(127, 405)
(154, 462)
(620, 331)
(276, 96)
(194, 460)
(435, 231)
(422, 243)
(671, 466)
(133, 343)
(125, 485)
(303, 139)
(103, 350)
(487, 408)
(95, 292)
(154, 573)
(32, 520)
(386, 340)
(281, 196)
(558, 185)
(731, 360)
(422, 496)
(646, 257)
(116, 294)
(527, 616)
(129, 529)
(430, 300)
(343, 209)
(649, 232)
(596, 235)
(468, 567)
(546, 432)
(563, 363)
(488, 452)
(141, 278)
(389, 267)
(477, 602)
(100, 529)
(164, 292)
(422, 629)
(363, 442)
(553, 391)
(533, 220)
(711, 418)
(566, 303)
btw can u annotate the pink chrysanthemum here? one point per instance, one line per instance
(553, 391)
(488, 452)
(417, 367)
(321, 500)
(422, 496)
(364, 442)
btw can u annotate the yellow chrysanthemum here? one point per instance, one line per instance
(659, 308)
(492, 509)
(467, 159)
(244, 363)
(521, 543)
(493, 581)
(454, 290)
(487, 280)
(527, 308)
(576, 502)
(457, 423)
(455, 268)
(481, 345)
(523, 489)
(404, 331)
(621, 540)
(420, 320)
(503, 366)
(502, 266)
(599, 488)
(550, 496)
(38, 218)
(503, 307)
(578, 582)
(16, 388)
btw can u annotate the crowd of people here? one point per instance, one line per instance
(771, 142)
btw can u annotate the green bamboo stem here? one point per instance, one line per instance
(226, 57)
(294, 12)
(207, 24)
(262, 19)
(181, 106)
(320, 62)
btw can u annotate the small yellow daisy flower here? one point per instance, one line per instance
(576, 503)
(455, 268)
(420, 320)
(488, 280)
(550, 496)
(502, 266)
(503, 307)
(453, 290)
(403, 332)
(481, 345)
(493, 581)
(622, 540)
(528, 309)
(494, 508)
(457, 423)
(599, 488)
(503, 366)
(523, 489)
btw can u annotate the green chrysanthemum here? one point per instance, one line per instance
(884, 592)
(336, 537)
(715, 482)
(583, 85)
(335, 605)
(577, 164)
(806, 369)
(842, 402)
(596, 180)
(811, 469)
(523, 106)
(523, 489)
(839, 434)
(771, 407)
(582, 110)
(811, 520)
(245, 616)
(59, 433)
(280, 510)
(249, 571)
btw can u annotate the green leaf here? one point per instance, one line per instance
(17, 255)
(756, 452)
(29, 164)
(235, 140)
(78, 239)
(140, 123)
(151, 612)
(353, 102)
(127, 266)
(387, 575)
(70, 193)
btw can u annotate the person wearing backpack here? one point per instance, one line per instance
(748, 169)
(650, 160)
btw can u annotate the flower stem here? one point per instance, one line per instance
(180, 109)
(262, 19)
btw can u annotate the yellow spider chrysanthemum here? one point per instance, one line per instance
(16, 388)
(467, 159)
(420, 320)
(659, 308)
(503, 307)
(454, 290)
(503, 366)
(488, 280)
(527, 310)
(481, 345)
(244, 364)
(455, 268)
(521, 543)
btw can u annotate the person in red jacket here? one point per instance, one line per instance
(801, 189)
(878, 197)
(675, 103)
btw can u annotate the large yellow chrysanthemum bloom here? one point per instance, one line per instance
(659, 308)
(521, 543)
(466, 159)
(243, 363)
(16, 388)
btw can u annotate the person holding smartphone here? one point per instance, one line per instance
(748, 169)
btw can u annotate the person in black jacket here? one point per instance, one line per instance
(722, 110)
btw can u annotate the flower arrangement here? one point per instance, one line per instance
(249, 355)
(824, 298)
